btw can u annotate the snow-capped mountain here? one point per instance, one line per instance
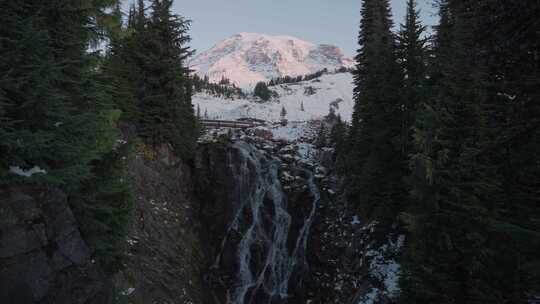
(248, 58)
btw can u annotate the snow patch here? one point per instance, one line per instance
(26, 173)
(387, 270)
(330, 89)
(128, 291)
(292, 132)
(370, 297)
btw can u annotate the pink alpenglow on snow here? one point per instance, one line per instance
(248, 58)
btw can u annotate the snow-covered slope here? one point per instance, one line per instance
(317, 96)
(248, 58)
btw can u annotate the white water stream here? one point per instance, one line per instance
(264, 264)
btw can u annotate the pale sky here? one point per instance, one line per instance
(320, 21)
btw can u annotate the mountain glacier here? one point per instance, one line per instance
(248, 58)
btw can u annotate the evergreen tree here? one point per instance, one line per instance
(122, 67)
(377, 161)
(283, 113)
(506, 36)
(224, 89)
(338, 139)
(331, 117)
(56, 103)
(59, 114)
(104, 205)
(412, 56)
(462, 217)
(261, 90)
(322, 137)
(446, 202)
(167, 114)
(472, 172)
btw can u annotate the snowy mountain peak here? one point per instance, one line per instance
(247, 58)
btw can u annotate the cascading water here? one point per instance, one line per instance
(264, 263)
(299, 253)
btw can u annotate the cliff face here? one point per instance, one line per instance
(252, 220)
(214, 188)
(165, 261)
(43, 258)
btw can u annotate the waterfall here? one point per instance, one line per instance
(299, 253)
(264, 263)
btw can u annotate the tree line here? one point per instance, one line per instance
(292, 79)
(263, 91)
(224, 88)
(81, 86)
(445, 140)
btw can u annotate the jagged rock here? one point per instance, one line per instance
(43, 258)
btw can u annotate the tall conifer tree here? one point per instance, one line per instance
(167, 114)
(59, 109)
(454, 255)
(412, 56)
(377, 156)
(507, 38)
(59, 114)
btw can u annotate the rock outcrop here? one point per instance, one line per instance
(43, 258)
(165, 261)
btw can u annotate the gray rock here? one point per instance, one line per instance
(163, 254)
(43, 258)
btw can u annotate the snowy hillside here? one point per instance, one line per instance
(248, 58)
(317, 96)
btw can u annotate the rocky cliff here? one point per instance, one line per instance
(253, 219)
(165, 261)
(43, 258)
